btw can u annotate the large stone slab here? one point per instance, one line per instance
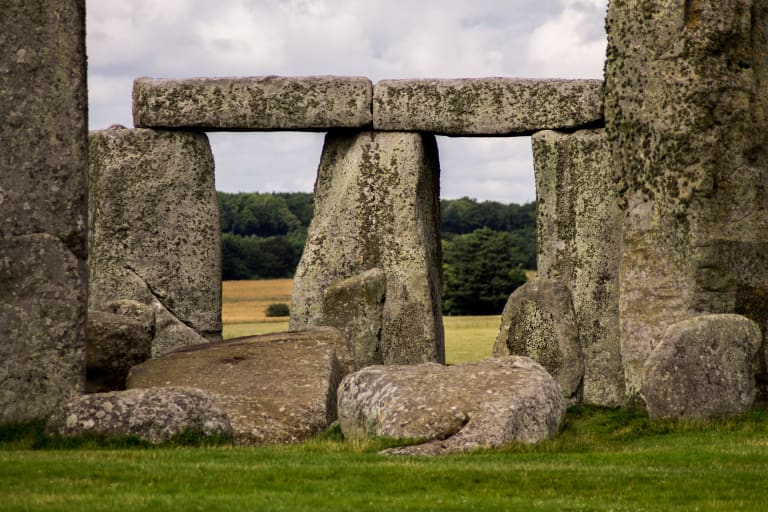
(539, 322)
(703, 368)
(486, 106)
(485, 404)
(154, 415)
(579, 226)
(276, 388)
(312, 103)
(43, 193)
(686, 114)
(376, 206)
(154, 231)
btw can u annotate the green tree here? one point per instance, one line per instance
(480, 270)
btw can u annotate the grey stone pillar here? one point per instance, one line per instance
(579, 233)
(376, 206)
(43, 193)
(686, 117)
(154, 231)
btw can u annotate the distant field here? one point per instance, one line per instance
(467, 338)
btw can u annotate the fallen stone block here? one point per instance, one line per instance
(115, 344)
(486, 106)
(311, 103)
(703, 368)
(485, 404)
(355, 306)
(539, 322)
(154, 415)
(276, 388)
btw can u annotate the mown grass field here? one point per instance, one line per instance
(604, 460)
(467, 338)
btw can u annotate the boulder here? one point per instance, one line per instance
(275, 388)
(313, 103)
(703, 369)
(355, 306)
(43, 206)
(115, 344)
(579, 236)
(538, 321)
(154, 231)
(154, 415)
(485, 404)
(376, 206)
(486, 106)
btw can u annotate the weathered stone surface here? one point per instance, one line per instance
(686, 110)
(454, 408)
(312, 103)
(579, 235)
(486, 106)
(355, 306)
(275, 388)
(703, 368)
(43, 186)
(154, 415)
(376, 206)
(154, 231)
(115, 344)
(539, 322)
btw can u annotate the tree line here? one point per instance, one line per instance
(486, 245)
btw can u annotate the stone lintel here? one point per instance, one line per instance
(266, 103)
(486, 106)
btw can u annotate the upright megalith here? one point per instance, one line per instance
(43, 194)
(154, 231)
(686, 114)
(579, 231)
(376, 206)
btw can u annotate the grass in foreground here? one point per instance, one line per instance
(604, 460)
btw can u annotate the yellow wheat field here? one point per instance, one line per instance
(467, 338)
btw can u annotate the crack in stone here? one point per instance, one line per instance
(159, 298)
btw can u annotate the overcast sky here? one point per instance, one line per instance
(374, 38)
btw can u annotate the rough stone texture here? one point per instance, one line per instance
(313, 103)
(454, 408)
(686, 118)
(355, 306)
(579, 235)
(376, 206)
(702, 368)
(486, 106)
(43, 192)
(154, 415)
(539, 322)
(115, 344)
(275, 388)
(154, 231)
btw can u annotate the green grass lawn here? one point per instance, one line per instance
(604, 460)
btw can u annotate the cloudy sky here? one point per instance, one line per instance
(374, 38)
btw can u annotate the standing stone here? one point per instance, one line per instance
(43, 194)
(539, 322)
(579, 235)
(154, 231)
(355, 306)
(376, 206)
(686, 118)
(702, 369)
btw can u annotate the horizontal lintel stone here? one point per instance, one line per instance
(268, 103)
(486, 106)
